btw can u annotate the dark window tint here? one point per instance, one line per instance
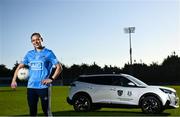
(103, 80)
(120, 81)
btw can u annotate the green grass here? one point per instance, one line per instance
(13, 102)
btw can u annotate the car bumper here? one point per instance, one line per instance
(173, 102)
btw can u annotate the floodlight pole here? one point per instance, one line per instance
(130, 48)
(130, 30)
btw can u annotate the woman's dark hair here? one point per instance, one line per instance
(37, 34)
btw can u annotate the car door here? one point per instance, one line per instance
(124, 91)
(101, 89)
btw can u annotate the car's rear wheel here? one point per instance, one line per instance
(82, 103)
(151, 105)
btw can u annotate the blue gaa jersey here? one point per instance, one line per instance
(40, 66)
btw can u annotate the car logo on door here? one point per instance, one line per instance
(129, 93)
(120, 92)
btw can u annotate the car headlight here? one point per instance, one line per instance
(166, 91)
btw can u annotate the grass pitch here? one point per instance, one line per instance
(14, 103)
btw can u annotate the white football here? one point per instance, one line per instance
(23, 74)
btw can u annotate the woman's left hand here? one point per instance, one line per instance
(46, 81)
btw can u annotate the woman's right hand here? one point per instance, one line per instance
(13, 84)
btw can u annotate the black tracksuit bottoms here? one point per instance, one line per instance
(33, 96)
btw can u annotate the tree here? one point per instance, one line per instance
(167, 72)
(170, 68)
(14, 68)
(111, 70)
(84, 69)
(4, 72)
(95, 69)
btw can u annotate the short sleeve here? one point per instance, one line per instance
(52, 58)
(25, 60)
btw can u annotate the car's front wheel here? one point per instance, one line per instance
(151, 105)
(82, 103)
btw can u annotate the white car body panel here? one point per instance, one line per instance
(110, 94)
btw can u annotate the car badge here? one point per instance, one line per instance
(120, 92)
(129, 93)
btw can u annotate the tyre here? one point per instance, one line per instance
(82, 103)
(151, 105)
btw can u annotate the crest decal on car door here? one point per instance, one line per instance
(129, 93)
(120, 92)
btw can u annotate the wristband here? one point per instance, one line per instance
(52, 78)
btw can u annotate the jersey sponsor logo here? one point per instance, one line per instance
(36, 65)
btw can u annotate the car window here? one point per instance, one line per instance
(105, 80)
(102, 80)
(120, 81)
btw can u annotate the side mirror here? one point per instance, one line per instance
(131, 84)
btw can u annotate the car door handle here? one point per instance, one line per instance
(89, 87)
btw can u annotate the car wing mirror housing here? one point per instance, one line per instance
(131, 84)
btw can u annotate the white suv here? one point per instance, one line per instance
(91, 92)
